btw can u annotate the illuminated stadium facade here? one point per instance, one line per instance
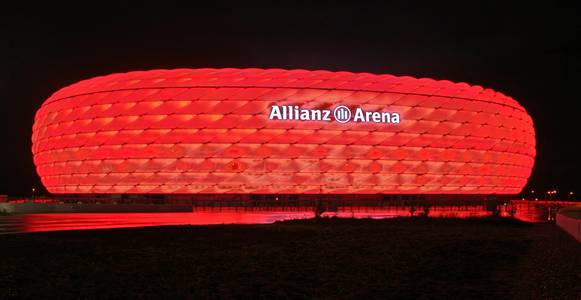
(255, 131)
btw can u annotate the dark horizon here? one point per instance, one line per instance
(529, 53)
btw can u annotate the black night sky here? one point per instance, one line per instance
(531, 53)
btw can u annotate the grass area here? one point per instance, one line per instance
(328, 258)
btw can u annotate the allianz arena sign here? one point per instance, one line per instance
(341, 114)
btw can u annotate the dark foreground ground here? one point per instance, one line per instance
(398, 258)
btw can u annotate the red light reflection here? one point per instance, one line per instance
(81, 221)
(527, 211)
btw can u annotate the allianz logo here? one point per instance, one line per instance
(341, 114)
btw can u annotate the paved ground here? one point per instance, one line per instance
(396, 258)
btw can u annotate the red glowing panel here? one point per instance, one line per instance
(217, 131)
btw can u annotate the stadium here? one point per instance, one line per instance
(280, 132)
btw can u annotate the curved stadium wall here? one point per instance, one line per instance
(217, 131)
